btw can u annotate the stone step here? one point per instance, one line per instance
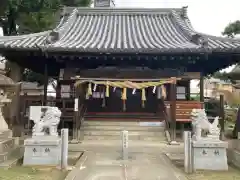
(122, 114)
(137, 137)
(5, 134)
(121, 123)
(6, 145)
(134, 117)
(121, 128)
(12, 157)
(111, 130)
(118, 133)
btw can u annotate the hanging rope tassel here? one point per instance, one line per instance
(87, 96)
(143, 97)
(159, 92)
(94, 87)
(89, 92)
(124, 98)
(107, 90)
(154, 89)
(164, 94)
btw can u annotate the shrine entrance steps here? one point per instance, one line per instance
(110, 127)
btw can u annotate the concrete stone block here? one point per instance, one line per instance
(44, 151)
(209, 155)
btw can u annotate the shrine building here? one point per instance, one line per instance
(120, 63)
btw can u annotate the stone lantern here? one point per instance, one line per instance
(5, 86)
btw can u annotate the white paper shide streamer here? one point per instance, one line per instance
(95, 87)
(134, 91)
(154, 89)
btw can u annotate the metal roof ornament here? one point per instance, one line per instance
(200, 40)
(184, 12)
(52, 37)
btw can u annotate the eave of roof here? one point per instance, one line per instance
(122, 30)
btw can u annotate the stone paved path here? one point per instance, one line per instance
(104, 163)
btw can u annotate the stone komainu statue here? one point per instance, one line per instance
(200, 123)
(47, 122)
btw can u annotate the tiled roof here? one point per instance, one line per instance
(237, 86)
(122, 30)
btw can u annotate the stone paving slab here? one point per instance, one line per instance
(109, 166)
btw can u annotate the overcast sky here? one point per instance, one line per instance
(207, 16)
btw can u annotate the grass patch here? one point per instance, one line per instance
(31, 173)
(232, 173)
(28, 173)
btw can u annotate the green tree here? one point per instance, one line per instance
(75, 3)
(232, 29)
(31, 16)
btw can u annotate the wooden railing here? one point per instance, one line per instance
(184, 109)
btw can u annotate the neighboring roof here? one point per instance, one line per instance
(117, 30)
(237, 86)
(218, 81)
(235, 73)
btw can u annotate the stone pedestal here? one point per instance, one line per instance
(45, 150)
(209, 154)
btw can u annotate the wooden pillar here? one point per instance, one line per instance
(58, 94)
(222, 116)
(81, 110)
(201, 86)
(16, 120)
(76, 115)
(45, 84)
(173, 110)
(188, 90)
(17, 124)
